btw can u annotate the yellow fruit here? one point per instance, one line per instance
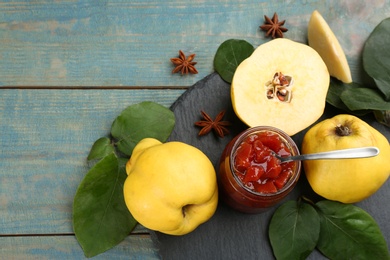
(346, 180)
(322, 39)
(171, 187)
(282, 84)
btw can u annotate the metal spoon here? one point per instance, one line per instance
(363, 152)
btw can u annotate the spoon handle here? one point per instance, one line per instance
(363, 152)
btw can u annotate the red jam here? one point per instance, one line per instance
(256, 165)
(251, 179)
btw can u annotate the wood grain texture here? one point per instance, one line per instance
(129, 43)
(67, 247)
(45, 139)
(46, 134)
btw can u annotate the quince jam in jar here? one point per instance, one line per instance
(251, 178)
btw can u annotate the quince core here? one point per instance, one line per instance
(282, 84)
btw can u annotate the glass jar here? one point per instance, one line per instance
(252, 196)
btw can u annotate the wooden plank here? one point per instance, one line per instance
(67, 247)
(46, 136)
(129, 43)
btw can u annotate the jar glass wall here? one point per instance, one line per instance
(240, 167)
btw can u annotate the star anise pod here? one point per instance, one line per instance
(273, 26)
(217, 125)
(184, 64)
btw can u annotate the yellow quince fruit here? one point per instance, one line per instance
(282, 84)
(171, 187)
(323, 40)
(346, 180)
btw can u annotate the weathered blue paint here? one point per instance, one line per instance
(46, 134)
(129, 43)
(67, 247)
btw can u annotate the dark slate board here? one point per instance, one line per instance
(230, 234)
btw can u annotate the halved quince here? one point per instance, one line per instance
(282, 84)
(322, 39)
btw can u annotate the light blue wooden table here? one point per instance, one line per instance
(68, 68)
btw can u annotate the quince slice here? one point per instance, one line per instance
(282, 84)
(322, 39)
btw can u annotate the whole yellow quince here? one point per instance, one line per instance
(346, 180)
(171, 187)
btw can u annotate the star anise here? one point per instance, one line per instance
(184, 64)
(273, 26)
(217, 125)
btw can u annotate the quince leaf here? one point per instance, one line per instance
(364, 98)
(139, 121)
(100, 217)
(101, 148)
(336, 87)
(376, 57)
(294, 230)
(348, 232)
(229, 55)
(383, 117)
(336, 90)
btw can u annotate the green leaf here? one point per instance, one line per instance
(364, 98)
(336, 87)
(376, 57)
(336, 90)
(142, 120)
(348, 232)
(229, 55)
(383, 117)
(294, 230)
(100, 217)
(101, 148)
